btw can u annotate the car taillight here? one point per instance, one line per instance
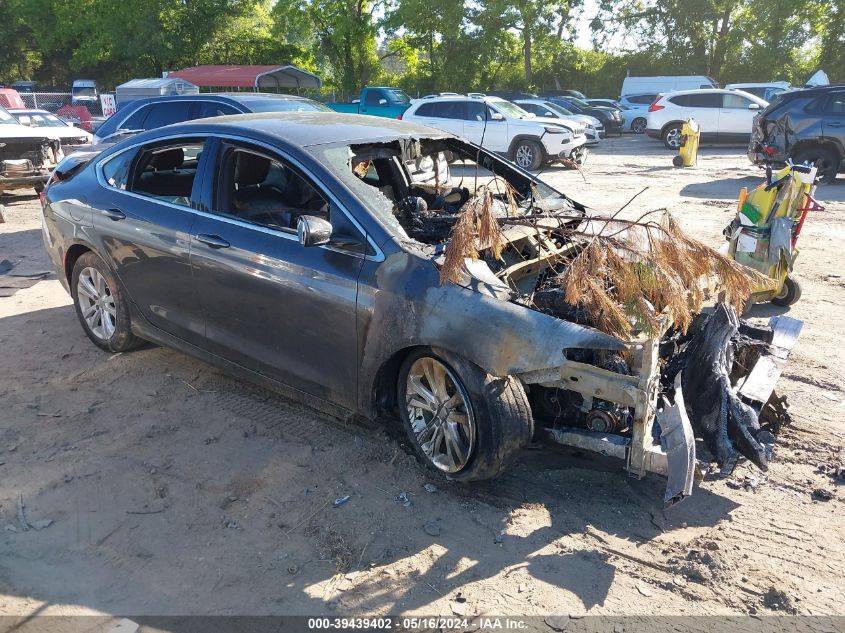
(399, 116)
(769, 150)
(654, 107)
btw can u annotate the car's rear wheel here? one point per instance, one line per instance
(100, 305)
(827, 162)
(672, 136)
(528, 155)
(638, 125)
(462, 422)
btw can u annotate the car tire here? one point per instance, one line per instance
(639, 125)
(101, 306)
(672, 136)
(826, 160)
(487, 426)
(528, 154)
(789, 294)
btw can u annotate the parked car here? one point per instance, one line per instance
(10, 98)
(633, 120)
(567, 93)
(147, 114)
(376, 101)
(665, 83)
(593, 128)
(293, 252)
(26, 156)
(52, 126)
(802, 126)
(766, 91)
(502, 127)
(638, 101)
(611, 118)
(83, 92)
(722, 115)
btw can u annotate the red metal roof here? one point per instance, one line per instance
(254, 76)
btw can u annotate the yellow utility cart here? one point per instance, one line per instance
(688, 149)
(765, 230)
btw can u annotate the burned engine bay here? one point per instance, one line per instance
(669, 299)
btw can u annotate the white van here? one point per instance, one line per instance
(665, 83)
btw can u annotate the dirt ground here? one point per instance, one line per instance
(175, 489)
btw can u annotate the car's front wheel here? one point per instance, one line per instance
(672, 136)
(638, 125)
(528, 155)
(462, 421)
(100, 305)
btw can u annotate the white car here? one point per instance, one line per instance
(722, 115)
(593, 128)
(51, 126)
(502, 127)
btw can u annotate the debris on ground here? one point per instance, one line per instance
(820, 494)
(748, 483)
(404, 498)
(778, 600)
(430, 488)
(432, 529)
(340, 501)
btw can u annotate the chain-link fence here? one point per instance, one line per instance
(60, 101)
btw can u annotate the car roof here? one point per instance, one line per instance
(303, 129)
(29, 111)
(226, 97)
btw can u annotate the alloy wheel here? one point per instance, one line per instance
(673, 138)
(96, 303)
(524, 156)
(440, 414)
(638, 126)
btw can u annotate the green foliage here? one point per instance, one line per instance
(426, 46)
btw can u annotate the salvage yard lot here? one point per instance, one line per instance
(175, 489)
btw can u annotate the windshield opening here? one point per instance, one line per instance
(398, 96)
(416, 187)
(511, 109)
(84, 92)
(557, 108)
(285, 105)
(6, 118)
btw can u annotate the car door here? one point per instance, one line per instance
(272, 305)
(735, 117)
(143, 216)
(443, 115)
(833, 116)
(703, 107)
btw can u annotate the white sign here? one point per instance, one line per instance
(109, 106)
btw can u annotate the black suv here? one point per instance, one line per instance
(804, 126)
(154, 112)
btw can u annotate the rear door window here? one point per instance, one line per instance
(165, 172)
(162, 114)
(208, 109)
(449, 110)
(705, 100)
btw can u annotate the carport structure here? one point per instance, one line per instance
(254, 77)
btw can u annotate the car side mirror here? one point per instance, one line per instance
(497, 116)
(382, 101)
(753, 106)
(313, 231)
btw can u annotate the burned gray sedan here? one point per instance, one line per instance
(341, 260)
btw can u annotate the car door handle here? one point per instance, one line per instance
(214, 241)
(114, 214)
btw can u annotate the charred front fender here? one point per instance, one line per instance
(408, 307)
